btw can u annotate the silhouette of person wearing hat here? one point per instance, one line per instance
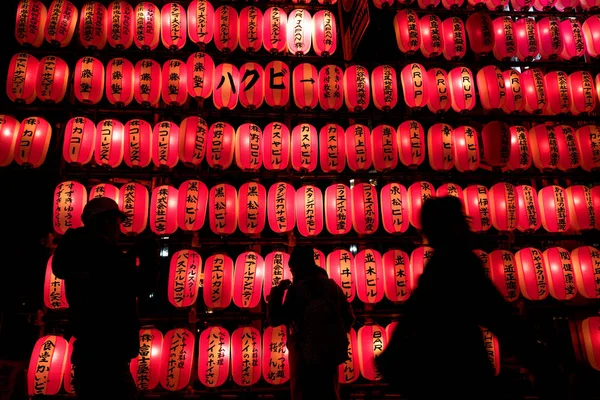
(102, 284)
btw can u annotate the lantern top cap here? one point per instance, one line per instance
(100, 206)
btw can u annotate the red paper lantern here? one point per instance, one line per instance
(585, 265)
(477, 207)
(340, 268)
(324, 38)
(89, 80)
(568, 156)
(277, 84)
(544, 147)
(369, 276)
(514, 103)
(411, 143)
(21, 78)
(226, 25)
(528, 209)
(357, 88)
(332, 147)
(252, 202)
(503, 204)
(589, 4)
(418, 193)
(440, 147)
(331, 89)
(184, 278)
(588, 146)
(248, 280)
(520, 154)
(495, 144)
(213, 356)
(582, 92)
(548, 37)
(9, 129)
(108, 150)
(572, 38)
(503, 273)
(305, 84)
(299, 32)
(505, 39)
(177, 359)
(221, 144)
(590, 341)
(138, 143)
(581, 208)
(105, 190)
(52, 79)
(462, 89)
(61, 22)
(477, 4)
(492, 347)
(277, 269)
(536, 98)
(526, 37)
(32, 142)
(147, 82)
(47, 365)
(251, 37)
(275, 362)
(452, 4)
(226, 86)
(275, 30)
(201, 22)
(394, 208)
(408, 31)
(248, 143)
(557, 91)
(191, 203)
(309, 211)
(146, 367)
(372, 340)
(222, 209)
(454, 38)
(163, 210)
(174, 26)
(566, 5)
(218, 281)
(119, 82)
(277, 156)
(78, 145)
(544, 5)
(251, 86)
(200, 75)
(439, 96)
(121, 24)
(349, 372)
(175, 83)
(449, 189)
(134, 201)
(165, 146)
(415, 85)
(531, 272)
(554, 209)
(93, 26)
(338, 206)
(365, 209)
(69, 374)
(245, 356)
(359, 148)
(466, 149)
(492, 88)
(385, 87)
(281, 207)
(147, 26)
(480, 33)
(54, 290)
(31, 19)
(305, 148)
(384, 147)
(559, 271)
(192, 141)
(397, 275)
(418, 261)
(431, 35)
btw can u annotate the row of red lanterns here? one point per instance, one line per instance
(120, 25)
(498, 5)
(504, 207)
(505, 37)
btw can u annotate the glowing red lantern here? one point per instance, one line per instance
(251, 38)
(514, 103)
(544, 5)
(31, 19)
(557, 91)
(477, 4)
(174, 26)
(47, 365)
(138, 143)
(349, 372)
(496, 5)
(369, 276)
(528, 209)
(305, 84)
(275, 363)
(480, 33)
(462, 89)
(338, 206)
(357, 88)
(221, 145)
(544, 147)
(505, 46)
(590, 341)
(384, 147)
(248, 279)
(163, 210)
(277, 156)
(332, 147)
(397, 279)
(408, 31)
(449, 189)
(324, 38)
(146, 366)
(121, 23)
(415, 85)
(200, 75)
(184, 278)
(439, 96)
(559, 271)
(588, 5)
(109, 143)
(252, 200)
(191, 204)
(305, 148)
(440, 147)
(275, 30)
(147, 26)
(520, 154)
(585, 265)
(277, 269)
(394, 208)
(411, 143)
(418, 261)
(245, 356)
(105, 190)
(192, 141)
(340, 268)
(201, 22)
(69, 369)
(89, 80)
(531, 271)
(281, 207)
(549, 38)
(431, 35)
(492, 88)
(177, 359)
(222, 209)
(309, 211)
(226, 86)
(365, 208)
(218, 281)
(32, 142)
(581, 207)
(477, 207)
(9, 129)
(175, 83)
(299, 32)
(568, 156)
(147, 82)
(165, 144)
(359, 148)
(495, 144)
(319, 258)
(453, 38)
(21, 78)
(213, 356)
(536, 98)
(330, 88)
(492, 347)
(251, 86)
(226, 24)
(248, 143)
(582, 92)
(134, 202)
(418, 193)
(452, 4)
(61, 22)
(503, 273)
(503, 204)
(554, 209)
(572, 38)
(93, 26)
(385, 87)
(78, 145)
(526, 37)
(466, 149)
(119, 82)
(588, 145)
(372, 340)
(277, 84)
(54, 290)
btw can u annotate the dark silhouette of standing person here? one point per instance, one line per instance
(102, 284)
(437, 351)
(318, 318)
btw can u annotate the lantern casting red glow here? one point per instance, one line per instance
(134, 202)
(466, 149)
(121, 24)
(408, 31)
(384, 147)
(31, 19)
(554, 210)
(309, 211)
(503, 273)
(120, 76)
(492, 89)
(174, 26)
(177, 359)
(585, 261)
(277, 84)
(440, 147)
(21, 78)
(248, 279)
(549, 38)
(305, 148)
(515, 102)
(61, 22)
(454, 38)
(222, 209)
(331, 88)
(281, 207)
(411, 143)
(357, 88)
(252, 89)
(192, 141)
(385, 87)
(372, 340)
(477, 207)
(349, 371)
(588, 142)
(163, 210)
(394, 208)
(252, 204)
(495, 144)
(213, 356)
(138, 143)
(89, 80)
(299, 31)
(397, 275)
(369, 276)
(165, 146)
(175, 83)
(147, 26)
(275, 30)
(338, 208)
(146, 367)
(221, 145)
(332, 148)
(556, 87)
(528, 209)
(54, 290)
(559, 270)
(32, 142)
(201, 22)
(191, 203)
(415, 85)
(93, 26)
(572, 38)
(324, 38)
(47, 365)
(108, 150)
(480, 31)
(276, 157)
(531, 272)
(359, 148)
(200, 75)
(275, 362)
(246, 356)
(277, 269)
(431, 35)
(147, 83)
(439, 94)
(184, 278)
(462, 89)
(248, 144)
(505, 40)
(305, 85)
(418, 193)
(105, 190)
(340, 268)
(226, 86)
(78, 145)
(581, 208)
(218, 281)
(365, 209)
(503, 204)
(582, 92)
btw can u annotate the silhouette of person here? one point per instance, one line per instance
(437, 351)
(102, 284)
(318, 317)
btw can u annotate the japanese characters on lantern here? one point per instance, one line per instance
(359, 151)
(440, 147)
(147, 82)
(453, 39)
(226, 23)
(248, 144)
(338, 209)
(226, 86)
(369, 276)
(163, 210)
(477, 207)
(252, 89)
(184, 278)
(357, 88)
(221, 145)
(365, 208)
(276, 270)
(248, 279)
(173, 26)
(30, 22)
(93, 26)
(146, 368)
(349, 371)
(299, 32)
(201, 24)
(275, 22)
(121, 20)
(304, 148)
(108, 150)
(324, 35)
(411, 143)
(120, 76)
(33, 141)
(531, 272)
(418, 193)
(21, 78)
(191, 204)
(503, 206)
(218, 281)
(332, 148)
(222, 209)
(89, 80)
(214, 356)
(559, 271)
(177, 359)
(276, 157)
(134, 201)
(408, 31)
(281, 207)
(340, 268)
(466, 149)
(397, 275)
(309, 211)
(252, 208)
(503, 273)
(277, 84)
(246, 356)
(587, 275)
(554, 209)
(588, 146)
(275, 362)
(174, 91)
(147, 26)
(61, 22)
(79, 141)
(47, 365)
(52, 79)
(372, 340)
(54, 290)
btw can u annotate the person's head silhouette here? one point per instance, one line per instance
(444, 223)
